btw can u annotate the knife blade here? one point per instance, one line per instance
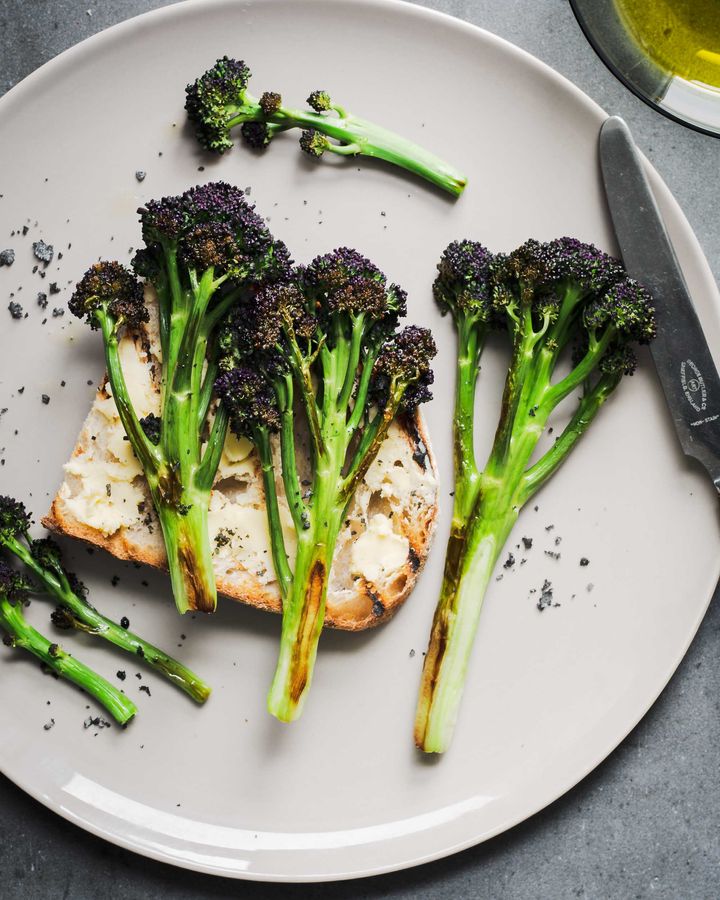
(680, 351)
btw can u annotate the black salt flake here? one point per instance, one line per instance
(42, 251)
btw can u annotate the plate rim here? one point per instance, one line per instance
(120, 31)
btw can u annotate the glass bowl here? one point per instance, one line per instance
(683, 99)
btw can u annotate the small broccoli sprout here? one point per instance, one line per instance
(270, 102)
(46, 553)
(13, 584)
(249, 400)
(319, 101)
(150, 424)
(404, 367)
(219, 101)
(62, 618)
(256, 134)
(313, 143)
(109, 290)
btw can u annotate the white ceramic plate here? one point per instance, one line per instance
(226, 789)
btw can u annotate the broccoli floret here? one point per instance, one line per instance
(553, 300)
(313, 143)
(109, 291)
(204, 251)
(462, 286)
(215, 99)
(249, 400)
(150, 424)
(319, 101)
(13, 584)
(219, 101)
(404, 366)
(270, 103)
(322, 345)
(256, 134)
(15, 520)
(42, 560)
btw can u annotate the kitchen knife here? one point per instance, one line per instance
(680, 351)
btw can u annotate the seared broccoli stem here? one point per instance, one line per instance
(43, 560)
(329, 341)
(219, 101)
(549, 298)
(14, 589)
(204, 250)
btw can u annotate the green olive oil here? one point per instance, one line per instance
(682, 37)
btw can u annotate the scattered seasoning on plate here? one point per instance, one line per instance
(144, 687)
(124, 622)
(48, 725)
(42, 251)
(527, 543)
(121, 674)
(584, 561)
(54, 289)
(45, 399)
(97, 721)
(546, 596)
(509, 562)
(7, 257)
(42, 300)
(57, 312)
(15, 309)
(140, 175)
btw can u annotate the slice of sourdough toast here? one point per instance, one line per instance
(104, 501)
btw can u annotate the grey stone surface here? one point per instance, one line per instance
(646, 823)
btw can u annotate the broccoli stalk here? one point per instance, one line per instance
(549, 297)
(42, 558)
(219, 101)
(328, 347)
(19, 633)
(203, 251)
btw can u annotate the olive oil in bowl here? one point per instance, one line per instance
(682, 37)
(666, 51)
